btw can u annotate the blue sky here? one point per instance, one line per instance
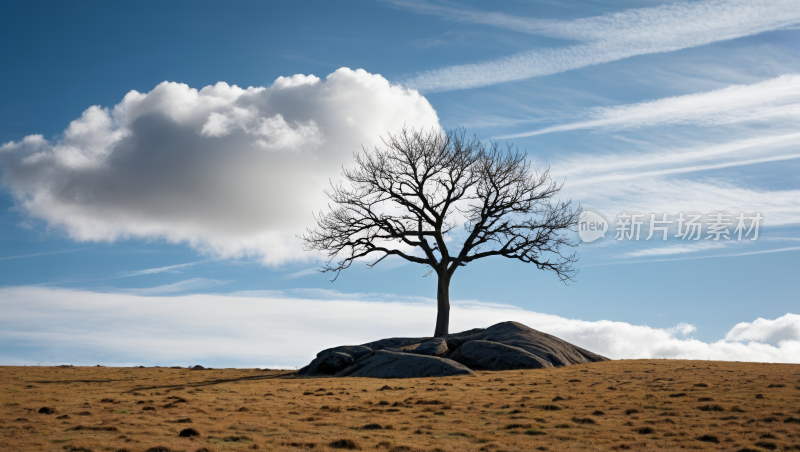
(154, 198)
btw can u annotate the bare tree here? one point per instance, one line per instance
(407, 196)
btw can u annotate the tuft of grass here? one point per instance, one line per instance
(534, 432)
(371, 427)
(301, 445)
(512, 426)
(551, 407)
(584, 420)
(345, 444)
(186, 420)
(429, 402)
(645, 430)
(59, 441)
(708, 439)
(234, 439)
(95, 428)
(766, 445)
(188, 432)
(710, 408)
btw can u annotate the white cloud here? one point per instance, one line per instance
(786, 328)
(40, 254)
(609, 37)
(716, 256)
(288, 329)
(301, 273)
(657, 180)
(231, 171)
(189, 285)
(675, 249)
(771, 100)
(168, 268)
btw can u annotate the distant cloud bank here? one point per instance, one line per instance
(227, 170)
(55, 326)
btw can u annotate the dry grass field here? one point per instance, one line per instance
(616, 405)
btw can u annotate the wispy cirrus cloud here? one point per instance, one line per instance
(41, 254)
(189, 285)
(167, 268)
(606, 38)
(675, 249)
(657, 180)
(715, 256)
(775, 100)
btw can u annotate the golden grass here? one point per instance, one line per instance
(616, 405)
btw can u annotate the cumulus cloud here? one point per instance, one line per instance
(230, 171)
(288, 328)
(771, 100)
(786, 328)
(606, 38)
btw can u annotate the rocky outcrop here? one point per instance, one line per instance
(497, 356)
(434, 347)
(504, 346)
(555, 351)
(333, 360)
(391, 364)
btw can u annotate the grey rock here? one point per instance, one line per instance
(456, 339)
(332, 360)
(396, 343)
(434, 347)
(393, 364)
(497, 356)
(549, 348)
(507, 345)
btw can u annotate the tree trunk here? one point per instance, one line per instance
(443, 303)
